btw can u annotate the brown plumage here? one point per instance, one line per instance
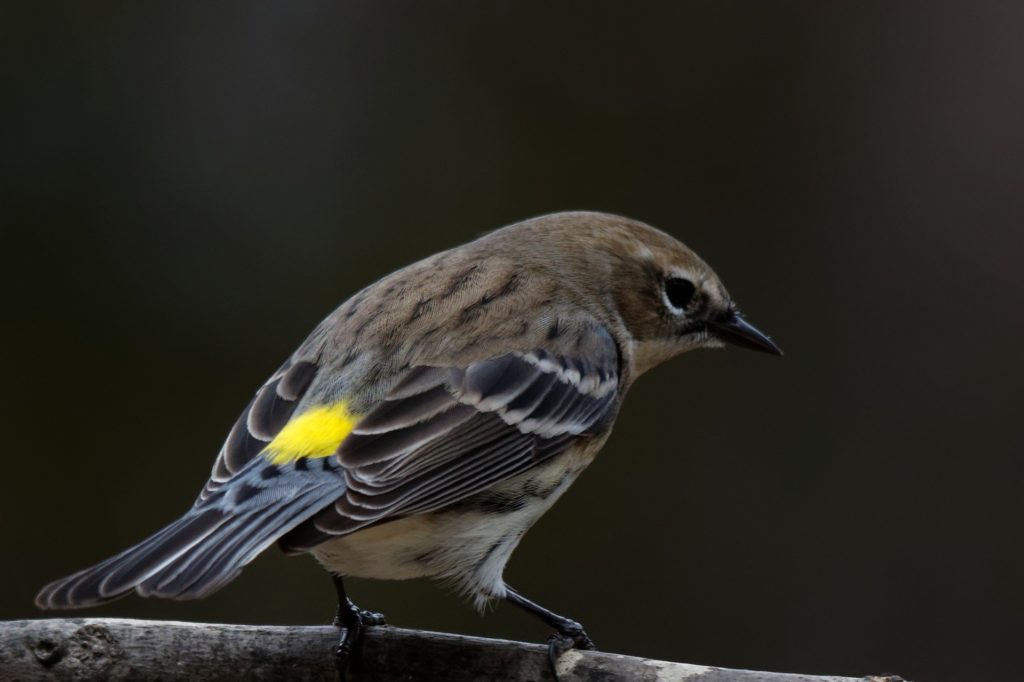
(466, 392)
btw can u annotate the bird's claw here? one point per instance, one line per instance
(354, 620)
(572, 636)
(371, 618)
(366, 618)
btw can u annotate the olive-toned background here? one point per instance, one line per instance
(190, 188)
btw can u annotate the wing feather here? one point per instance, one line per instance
(265, 415)
(446, 433)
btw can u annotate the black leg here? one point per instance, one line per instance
(354, 620)
(570, 634)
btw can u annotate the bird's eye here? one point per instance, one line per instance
(678, 293)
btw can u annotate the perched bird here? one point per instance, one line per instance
(431, 419)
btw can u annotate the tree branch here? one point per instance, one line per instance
(118, 649)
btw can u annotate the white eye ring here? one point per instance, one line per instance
(677, 293)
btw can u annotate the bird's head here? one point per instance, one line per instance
(657, 291)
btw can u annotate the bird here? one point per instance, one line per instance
(429, 421)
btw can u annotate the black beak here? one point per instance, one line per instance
(735, 330)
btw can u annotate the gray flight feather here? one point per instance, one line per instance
(206, 548)
(446, 433)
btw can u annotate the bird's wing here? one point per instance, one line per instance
(446, 433)
(442, 434)
(273, 473)
(262, 420)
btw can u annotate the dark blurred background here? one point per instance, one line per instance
(189, 188)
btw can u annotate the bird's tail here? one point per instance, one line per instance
(205, 549)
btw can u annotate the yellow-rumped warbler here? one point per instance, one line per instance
(430, 420)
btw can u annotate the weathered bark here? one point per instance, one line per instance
(119, 649)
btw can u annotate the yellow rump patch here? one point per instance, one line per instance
(317, 432)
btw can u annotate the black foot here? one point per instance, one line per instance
(354, 620)
(367, 617)
(560, 642)
(570, 635)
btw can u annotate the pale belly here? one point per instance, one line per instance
(468, 544)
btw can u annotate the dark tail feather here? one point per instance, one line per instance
(208, 568)
(118, 575)
(202, 551)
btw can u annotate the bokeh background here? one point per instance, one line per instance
(191, 187)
